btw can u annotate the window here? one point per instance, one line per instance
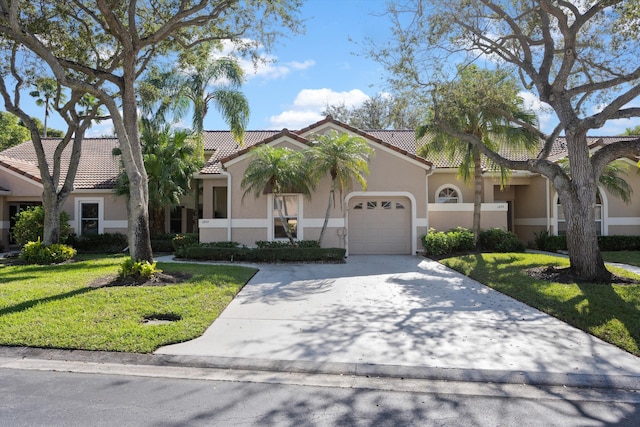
(89, 218)
(288, 207)
(399, 205)
(89, 215)
(175, 220)
(358, 206)
(385, 205)
(562, 222)
(448, 195)
(372, 205)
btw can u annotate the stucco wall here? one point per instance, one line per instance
(389, 173)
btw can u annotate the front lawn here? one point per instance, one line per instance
(610, 312)
(624, 257)
(55, 306)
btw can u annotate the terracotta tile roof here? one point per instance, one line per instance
(400, 145)
(223, 145)
(98, 168)
(27, 169)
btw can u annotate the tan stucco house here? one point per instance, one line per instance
(406, 195)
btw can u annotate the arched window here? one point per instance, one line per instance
(448, 194)
(562, 222)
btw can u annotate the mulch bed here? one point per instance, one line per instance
(158, 279)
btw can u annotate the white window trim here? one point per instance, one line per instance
(270, 208)
(78, 213)
(605, 213)
(442, 187)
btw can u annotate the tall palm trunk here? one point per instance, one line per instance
(283, 221)
(477, 194)
(332, 194)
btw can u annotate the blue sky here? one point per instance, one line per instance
(321, 67)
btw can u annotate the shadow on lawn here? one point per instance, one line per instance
(28, 304)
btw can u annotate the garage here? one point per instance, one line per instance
(379, 225)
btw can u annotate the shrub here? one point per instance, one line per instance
(29, 226)
(499, 240)
(619, 243)
(440, 243)
(37, 253)
(276, 244)
(461, 239)
(137, 269)
(546, 242)
(436, 243)
(282, 254)
(279, 244)
(99, 243)
(181, 241)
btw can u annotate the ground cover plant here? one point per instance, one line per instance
(81, 305)
(608, 311)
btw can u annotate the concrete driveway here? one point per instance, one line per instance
(403, 311)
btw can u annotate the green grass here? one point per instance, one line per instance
(625, 257)
(53, 307)
(610, 312)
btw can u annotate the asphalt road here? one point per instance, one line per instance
(47, 398)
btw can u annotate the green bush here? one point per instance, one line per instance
(282, 254)
(440, 243)
(99, 243)
(499, 240)
(619, 243)
(546, 242)
(436, 243)
(137, 269)
(279, 244)
(181, 241)
(37, 253)
(29, 226)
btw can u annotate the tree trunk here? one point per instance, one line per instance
(477, 195)
(139, 236)
(582, 242)
(52, 210)
(578, 201)
(326, 215)
(156, 220)
(283, 221)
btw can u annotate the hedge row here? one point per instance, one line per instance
(460, 240)
(546, 242)
(244, 254)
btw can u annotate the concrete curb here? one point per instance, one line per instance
(622, 382)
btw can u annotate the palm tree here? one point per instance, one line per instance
(281, 170)
(484, 104)
(207, 81)
(611, 178)
(47, 90)
(169, 162)
(342, 156)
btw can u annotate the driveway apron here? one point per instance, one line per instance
(396, 310)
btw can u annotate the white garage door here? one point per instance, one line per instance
(379, 225)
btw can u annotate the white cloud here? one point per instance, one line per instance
(308, 105)
(104, 128)
(266, 67)
(546, 118)
(292, 119)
